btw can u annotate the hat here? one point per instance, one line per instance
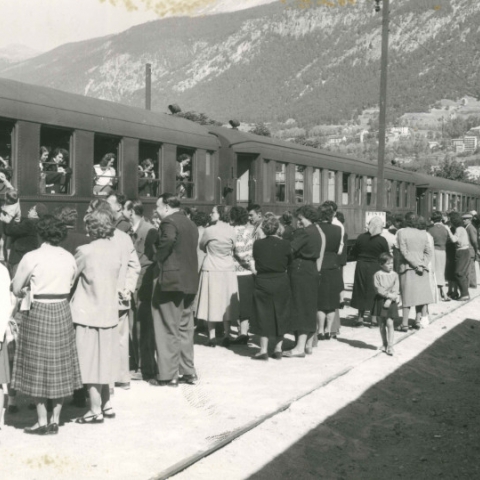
(473, 212)
(467, 215)
(41, 210)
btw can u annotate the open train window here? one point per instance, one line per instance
(210, 176)
(299, 183)
(55, 162)
(398, 194)
(106, 168)
(406, 188)
(331, 185)
(317, 178)
(369, 190)
(149, 169)
(434, 201)
(388, 191)
(345, 188)
(280, 181)
(6, 154)
(267, 180)
(184, 173)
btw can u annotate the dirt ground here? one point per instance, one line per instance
(415, 416)
(377, 413)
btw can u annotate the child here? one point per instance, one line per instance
(385, 305)
(9, 212)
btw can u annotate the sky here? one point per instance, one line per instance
(46, 24)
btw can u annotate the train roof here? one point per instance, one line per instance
(48, 106)
(444, 184)
(281, 150)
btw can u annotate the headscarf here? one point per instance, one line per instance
(375, 226)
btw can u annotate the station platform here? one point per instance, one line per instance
(160, 432)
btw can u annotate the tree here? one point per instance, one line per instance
(453, 170)
(261, 129)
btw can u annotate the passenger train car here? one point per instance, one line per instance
(154, 153)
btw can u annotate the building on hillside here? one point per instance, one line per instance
(400, 131)
(474, 171)
(471, 143)
(335, 140)
(458, 145)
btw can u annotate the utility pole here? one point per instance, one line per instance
(383, 103)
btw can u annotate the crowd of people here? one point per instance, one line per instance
(83, 308)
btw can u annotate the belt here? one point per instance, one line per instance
(52, 296)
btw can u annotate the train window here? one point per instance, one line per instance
(149, 169)
(280, 181)
(106, 168)
(406, 189)
(434, 201)
(345, 189)
(299, 183)
(388, 191)
(316, 185)
(369, 190)
(398, 194)
(6, 157)
(331, 185)
(55, 163)
(185, 185)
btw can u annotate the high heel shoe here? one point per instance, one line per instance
(40, 430)
(240, 340)
(260, 356)
(277, 355)
(90, 419)
(212, 343)
(111, 413)
(52, 429)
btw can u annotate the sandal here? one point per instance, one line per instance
(112, 414)
(90, 419)
(403, 328)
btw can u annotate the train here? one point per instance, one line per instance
(204, 165)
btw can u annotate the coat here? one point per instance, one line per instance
(24, 238)
(144, 240)
(176, 256)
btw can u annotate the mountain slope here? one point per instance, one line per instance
(275, 61)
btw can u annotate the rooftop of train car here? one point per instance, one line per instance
(240, 140)
(99, 112)
(444, 184)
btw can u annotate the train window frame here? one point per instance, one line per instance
(153, 185)
(285, 182)
(179, 172)
(267, 180)
(319, 171)
(8, 165)
(210, 175)
(42, 185)
(300, 169)
(398, 193)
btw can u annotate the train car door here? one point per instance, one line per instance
(422, 201)
(245, 179)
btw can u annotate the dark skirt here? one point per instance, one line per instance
(46, 361)
(330, 285)
(379, 311)
(363, 288)
(450, 262)
(272, 301)
(245, 293)
(462, 268)
(304, 282)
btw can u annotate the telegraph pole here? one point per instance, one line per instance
(383, 103)
(148, 86)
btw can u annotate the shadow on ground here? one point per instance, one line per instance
(419, 422)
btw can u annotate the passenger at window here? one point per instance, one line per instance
(44, 153)
(58, 173)
(147, 186)
(105, 176)
(183, 176)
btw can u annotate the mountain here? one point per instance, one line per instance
(223, 6)
(275, 61)
(15, 53)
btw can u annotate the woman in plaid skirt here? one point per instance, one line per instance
(46, 361)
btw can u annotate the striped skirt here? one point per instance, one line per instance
(46, 361)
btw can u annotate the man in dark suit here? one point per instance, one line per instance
(175, 287)
(144, 236)
(74, 239)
